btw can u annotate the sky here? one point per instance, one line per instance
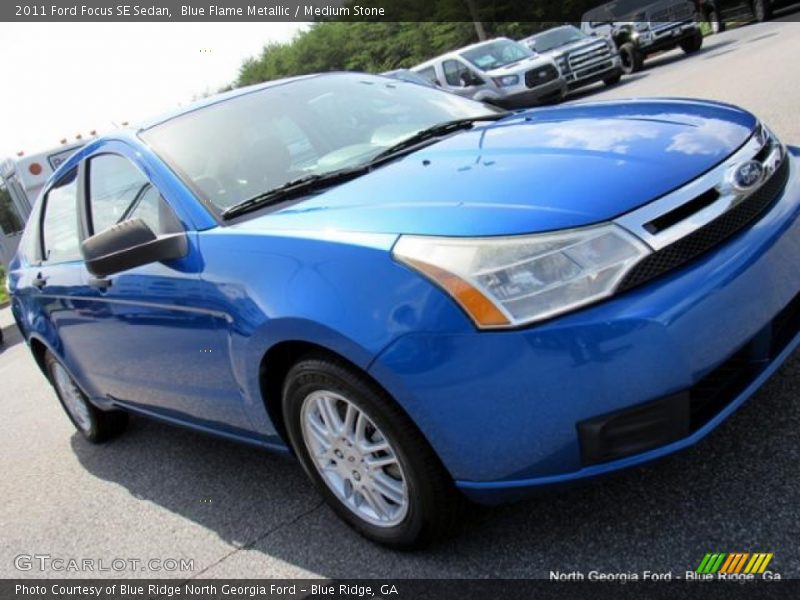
(64, 79)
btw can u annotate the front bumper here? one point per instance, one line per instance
(502, 408)
(551, 91)
(604, 71)
(668, 38)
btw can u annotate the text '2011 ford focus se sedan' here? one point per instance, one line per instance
(422, 297)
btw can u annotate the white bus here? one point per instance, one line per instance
(21, 180)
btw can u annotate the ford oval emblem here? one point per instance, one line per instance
(748, 174)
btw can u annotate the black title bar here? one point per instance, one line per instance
(541, 11)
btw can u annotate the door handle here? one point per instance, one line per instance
(39, 281)
(101, 283)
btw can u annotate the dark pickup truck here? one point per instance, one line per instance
(640, 28)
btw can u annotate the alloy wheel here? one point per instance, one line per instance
(354, 458)
(72, 397)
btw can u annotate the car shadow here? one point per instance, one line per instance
(787, 14)
(263, 502)
(221, 485)
(10, 336)
(673, 56)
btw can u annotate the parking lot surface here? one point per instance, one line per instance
(163, 493)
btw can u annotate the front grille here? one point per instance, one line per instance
(540, 76)
(586, 57)
(710, 235)
(659, 422)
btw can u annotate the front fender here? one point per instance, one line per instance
(340, 291)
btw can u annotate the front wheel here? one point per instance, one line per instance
(94, 424)
(613, 80)
(693, 44)
(369, 461)
(632, 58)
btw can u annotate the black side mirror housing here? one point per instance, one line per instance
(130, 244)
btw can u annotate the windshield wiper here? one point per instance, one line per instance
(436, 131)
(293, 188)
(310, 183)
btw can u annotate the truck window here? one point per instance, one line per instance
(455, 73)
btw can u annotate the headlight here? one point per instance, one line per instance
(511, 281)
(507, 80)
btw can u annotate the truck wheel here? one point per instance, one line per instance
(693, 44)
(613, 80)
(762, 10)
(632, 58)
(366, 457)
(94, 424)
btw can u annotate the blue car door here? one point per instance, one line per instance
(53, 279)
(153, 343)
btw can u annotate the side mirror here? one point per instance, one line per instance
(130, 244)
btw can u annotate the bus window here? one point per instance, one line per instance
(10, 220)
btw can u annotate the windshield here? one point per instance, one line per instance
(496, 54)
(555, 38)
(238, 148)
(616, 11)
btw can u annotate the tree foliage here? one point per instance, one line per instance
(368, 46)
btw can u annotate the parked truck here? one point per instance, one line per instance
(581, 58)
(719, 12)
(639, 28)
(498, 71)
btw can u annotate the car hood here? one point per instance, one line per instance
(522, 66)
(539, 170)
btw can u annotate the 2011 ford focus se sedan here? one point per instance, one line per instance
(420, 296)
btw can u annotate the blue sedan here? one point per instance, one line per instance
(423, 298)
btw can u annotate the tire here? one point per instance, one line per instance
(613, 80)
(762, 10)
(693, 44)
(94, 424)
(632, 58)
(319, 394)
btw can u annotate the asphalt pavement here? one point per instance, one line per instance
(165, 493)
